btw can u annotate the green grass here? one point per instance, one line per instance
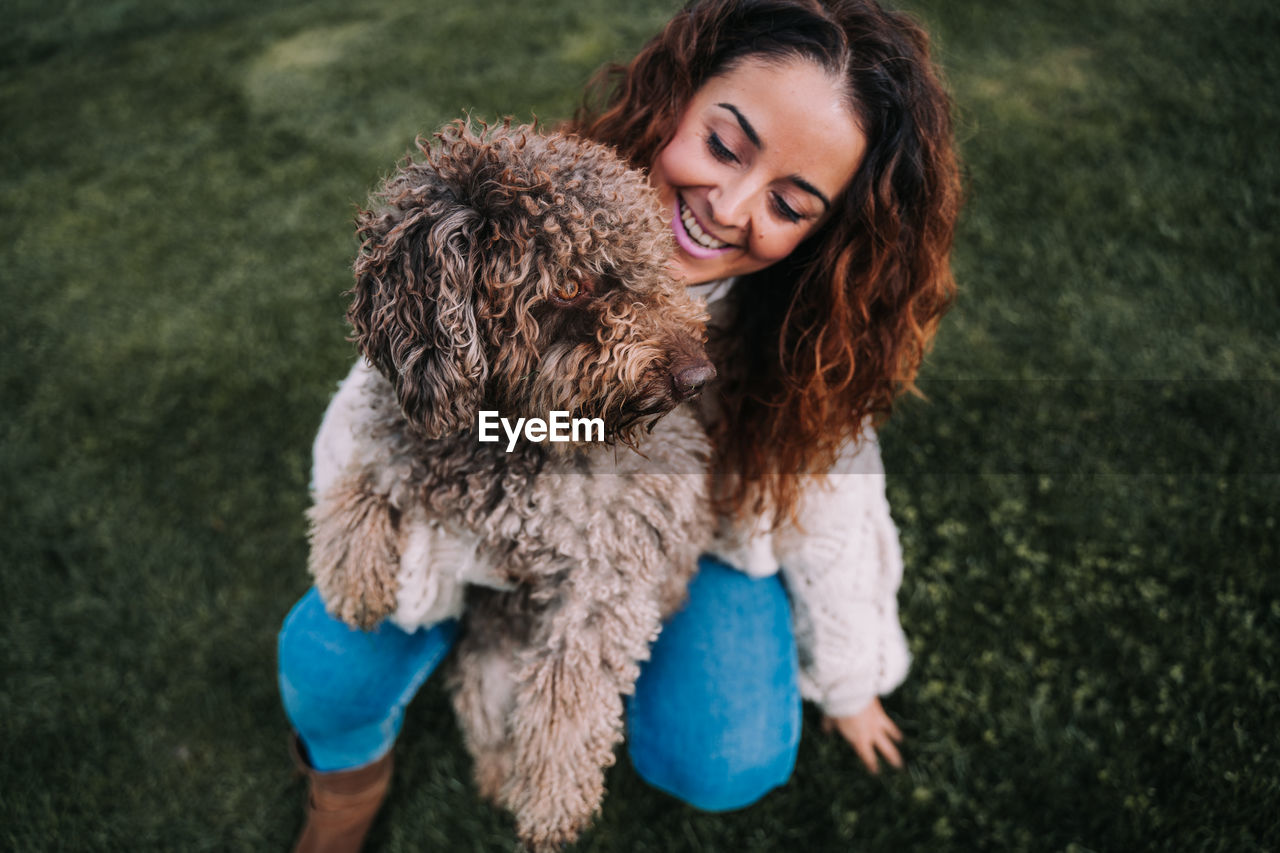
(1088, 503)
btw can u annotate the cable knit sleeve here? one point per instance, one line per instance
(843, 566)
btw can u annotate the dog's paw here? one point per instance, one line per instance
(545, 839)
(364, 614)
(354, 556)
(556, 806)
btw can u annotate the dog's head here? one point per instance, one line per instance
(525, 273)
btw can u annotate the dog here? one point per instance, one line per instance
(513, 274)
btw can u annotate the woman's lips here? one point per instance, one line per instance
(685, 226)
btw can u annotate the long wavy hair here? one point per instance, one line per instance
(826, 339)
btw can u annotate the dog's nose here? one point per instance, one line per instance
(687, 379)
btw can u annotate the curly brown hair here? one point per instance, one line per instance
(827, 338)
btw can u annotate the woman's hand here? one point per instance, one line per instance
(871, 734)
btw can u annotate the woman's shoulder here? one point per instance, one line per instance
(860, 454)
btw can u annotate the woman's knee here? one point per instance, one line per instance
(715, 719)
(335, 679)
(718, 780)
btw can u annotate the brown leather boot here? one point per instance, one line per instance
(340, 805)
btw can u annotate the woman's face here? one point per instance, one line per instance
(758, 159)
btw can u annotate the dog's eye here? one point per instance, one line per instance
(572, 288)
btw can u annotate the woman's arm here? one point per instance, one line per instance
(843, 566)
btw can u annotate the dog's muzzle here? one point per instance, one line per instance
(689, 377)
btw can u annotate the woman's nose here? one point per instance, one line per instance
(730, 205)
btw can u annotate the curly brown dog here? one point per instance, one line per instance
(520, 274)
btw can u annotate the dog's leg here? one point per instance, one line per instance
(568, 714)
(483, 684)
(601, 604)
(354, 555)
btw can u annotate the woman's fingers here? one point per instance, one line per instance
(894, 731)
(872, 734)
(867, 753)
(890, 752)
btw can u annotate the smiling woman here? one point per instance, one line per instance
(804, 149)
(751, 113)
(744, 187)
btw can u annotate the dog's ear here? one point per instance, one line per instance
(413, 307)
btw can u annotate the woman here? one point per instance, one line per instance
(804, 149)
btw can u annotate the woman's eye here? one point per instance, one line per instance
(719, 150)
(785, 210)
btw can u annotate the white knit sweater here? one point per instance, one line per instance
(841, 565)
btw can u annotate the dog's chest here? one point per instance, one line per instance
(536, 514)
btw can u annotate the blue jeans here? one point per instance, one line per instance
(714, 721)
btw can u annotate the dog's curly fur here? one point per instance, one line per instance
(525, 273)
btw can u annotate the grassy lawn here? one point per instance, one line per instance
(1088, 501)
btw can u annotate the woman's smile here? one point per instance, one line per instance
(691, 236)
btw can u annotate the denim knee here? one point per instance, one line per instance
(345, 690)
(715, 719)
(715, 781)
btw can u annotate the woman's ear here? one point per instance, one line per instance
(413, 306)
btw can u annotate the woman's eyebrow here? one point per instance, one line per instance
(745, 125)
(755, 140)
(811, 189)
